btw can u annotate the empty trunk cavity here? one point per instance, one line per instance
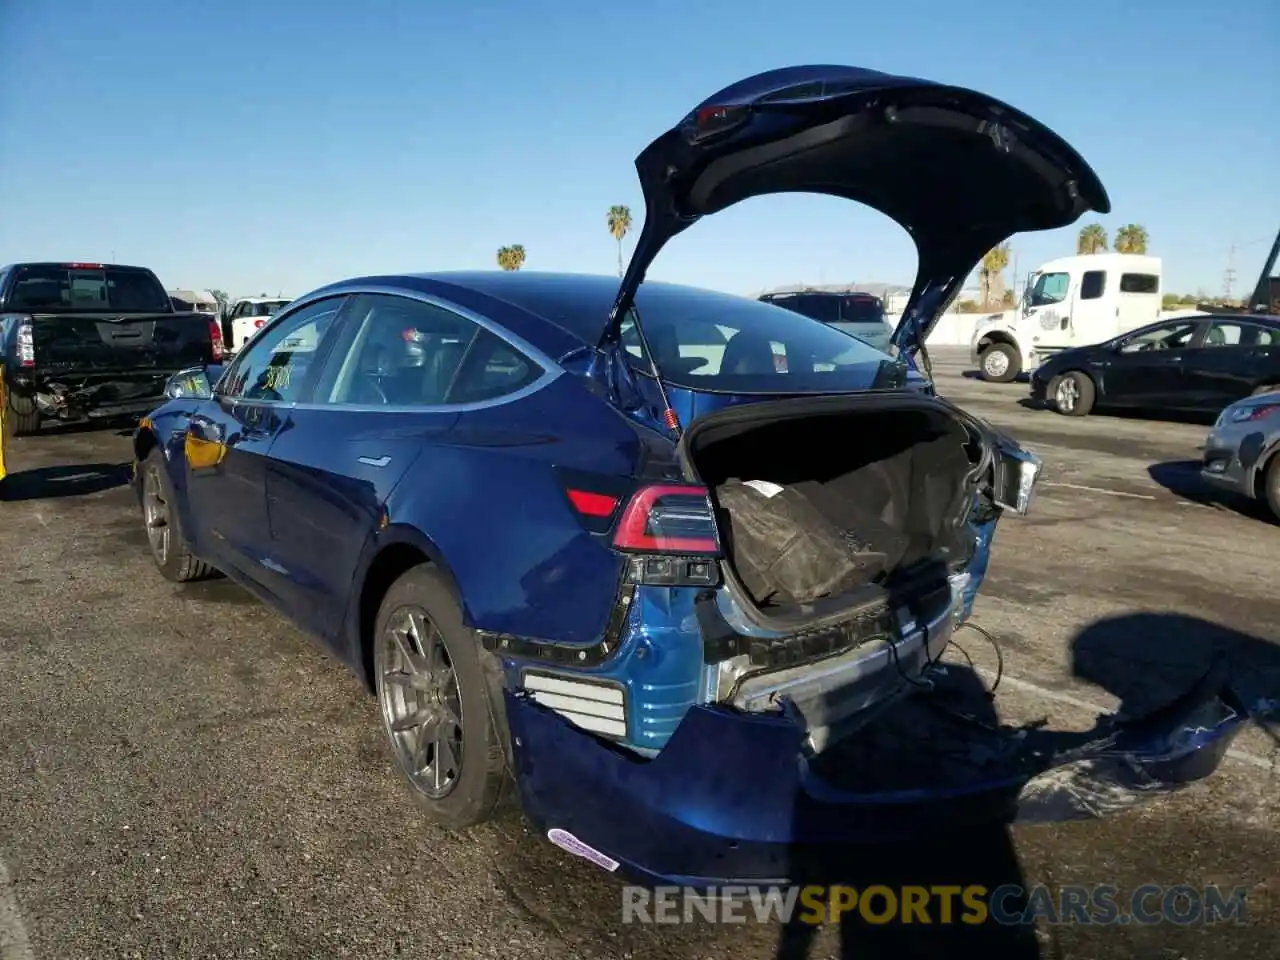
(812, 508)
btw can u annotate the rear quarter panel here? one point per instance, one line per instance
(488, 499)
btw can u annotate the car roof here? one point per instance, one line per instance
(574, 304)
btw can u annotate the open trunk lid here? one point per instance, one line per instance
(959, 170)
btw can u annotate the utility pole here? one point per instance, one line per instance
(1229, 275)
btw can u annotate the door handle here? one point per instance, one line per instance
(375, 461)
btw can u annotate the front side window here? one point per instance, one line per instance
(274, 367)
(408, 353)
(1169, 336)
(1050, 288)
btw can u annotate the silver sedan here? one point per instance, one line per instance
(1242, 451)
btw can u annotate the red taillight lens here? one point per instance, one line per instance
(668, 518)
(592, 504)
(215, 337)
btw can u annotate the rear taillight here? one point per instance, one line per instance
(668, 519)
(26, 343)
(215, 338)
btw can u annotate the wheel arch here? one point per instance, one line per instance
(998, 335)
(395, 551)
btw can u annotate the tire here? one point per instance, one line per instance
(1000, 363)
(1072, 394)
(454, 696)
(169, 549)
(24, 415)
(1270, 492)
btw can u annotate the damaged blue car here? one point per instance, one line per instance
(650, 558)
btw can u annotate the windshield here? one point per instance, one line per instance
(717, 342)
(89, 289)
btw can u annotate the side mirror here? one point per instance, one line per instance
(193, 382)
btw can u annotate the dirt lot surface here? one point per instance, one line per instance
(182, 774)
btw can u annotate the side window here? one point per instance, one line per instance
(1050, 288)
(1139, 283)
(1171, 336)
(275, 366)
(1093, 284)
(493, 368)
(1224, 334)
(406, 352)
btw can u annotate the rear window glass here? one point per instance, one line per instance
(712, 341)
(862, 310)
(69, 289)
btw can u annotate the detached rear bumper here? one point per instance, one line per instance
(732, 797)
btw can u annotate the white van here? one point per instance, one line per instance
(1069, 302)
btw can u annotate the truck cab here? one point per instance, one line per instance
(1068, 302)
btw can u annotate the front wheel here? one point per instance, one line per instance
(169, 548)
(440, 720)
(1000, 363)
(1072, 393)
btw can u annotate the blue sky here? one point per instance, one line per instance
(279, 146)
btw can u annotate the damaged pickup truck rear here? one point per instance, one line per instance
(92, 340)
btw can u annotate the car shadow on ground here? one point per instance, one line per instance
(1182, 479)
(54, 483)
(974, 849)
(1146, 659)
(977, 375)
(1163, 416)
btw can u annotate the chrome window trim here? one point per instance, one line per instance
(551, 370)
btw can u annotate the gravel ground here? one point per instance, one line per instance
(182, 774)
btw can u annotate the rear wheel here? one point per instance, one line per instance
(1000, 363)
(1072, 393)
(24, 415)
(440, 720)
(168, 543)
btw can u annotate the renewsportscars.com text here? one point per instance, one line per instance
(973, 905)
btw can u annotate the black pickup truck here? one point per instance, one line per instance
(92, 340)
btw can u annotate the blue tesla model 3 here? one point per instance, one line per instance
(537, 514)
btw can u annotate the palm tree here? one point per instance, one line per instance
(1131, 238)
(619, 221)
(993, 264)
(512, 257)
(1092, 239)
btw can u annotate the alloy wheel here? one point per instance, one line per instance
(1067, 394)
(155, 513)
(421, 706)
(996, 363)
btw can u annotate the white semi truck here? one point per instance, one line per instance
(1068, 302)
